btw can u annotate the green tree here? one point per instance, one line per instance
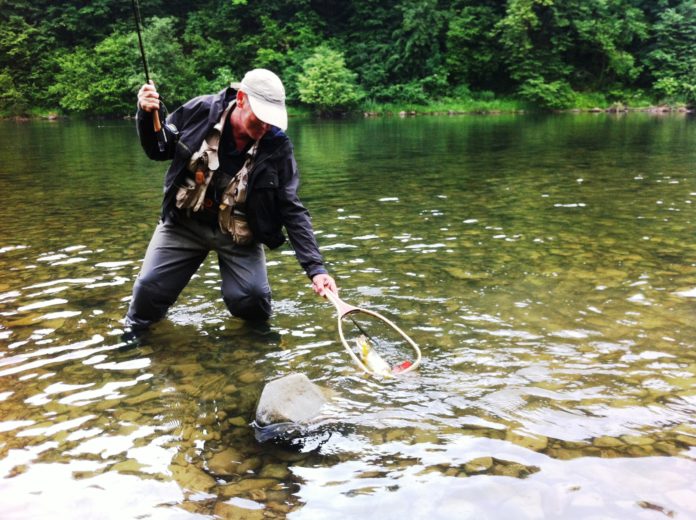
(472, 49)
(173, 71)
(17, 55)
(104, 80)
(553, 48)
(606, 35)
(368, 41)
(672, 59)
(11, 99)
(326, 83)
(402, 51)
(100, 80)
(533, 48)
(285, 48)
(417, 40)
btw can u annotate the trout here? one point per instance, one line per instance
(371, 359)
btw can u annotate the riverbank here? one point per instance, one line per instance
(444, 107)
(512, 106)
(623, 110)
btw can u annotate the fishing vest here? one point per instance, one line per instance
(203, 164)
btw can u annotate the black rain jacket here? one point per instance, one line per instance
(272, 200)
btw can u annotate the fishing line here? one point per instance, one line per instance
(360, 328)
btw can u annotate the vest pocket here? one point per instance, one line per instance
(190, 195)
(231, 216)
(186, 194)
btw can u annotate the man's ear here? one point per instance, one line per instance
(240, 98)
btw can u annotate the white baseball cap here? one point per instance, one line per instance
(266, 96)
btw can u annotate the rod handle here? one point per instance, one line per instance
(156, 121)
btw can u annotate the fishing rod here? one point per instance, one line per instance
(159, 131)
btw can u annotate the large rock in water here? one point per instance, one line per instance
(287, 407)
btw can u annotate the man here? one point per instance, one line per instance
(231, 187)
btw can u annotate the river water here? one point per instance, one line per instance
(546, 266)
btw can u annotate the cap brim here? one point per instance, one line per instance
(270, 113)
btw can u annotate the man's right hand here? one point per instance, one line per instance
(148, 98)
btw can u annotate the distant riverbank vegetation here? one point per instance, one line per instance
(341, 56)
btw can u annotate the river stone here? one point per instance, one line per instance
(231, 512)
(249, 377)
(279, 471)
(191, 478)
(250, 465)
(606, 441)
(127, 415)
(292, 398)
(636, 440)
(277, 507)
(686, 439)
(226, 462)
(535, 443)
(127, 466)
(512, 469)
(141, 398)
(667, 447)
(244, 486)
(478, 465)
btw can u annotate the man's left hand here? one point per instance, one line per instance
(321, 282)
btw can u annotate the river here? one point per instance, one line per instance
(546, 266)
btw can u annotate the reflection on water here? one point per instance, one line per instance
(546, 266)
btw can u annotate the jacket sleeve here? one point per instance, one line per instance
(297, 221)
(148, 137)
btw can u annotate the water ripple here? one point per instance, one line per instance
(551, 293)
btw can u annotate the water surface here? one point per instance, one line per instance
(546, 266)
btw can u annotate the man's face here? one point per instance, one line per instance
(248, 124)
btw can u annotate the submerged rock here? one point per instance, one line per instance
(293, 398)
(226, 462)
(287, 407)
(478, 465)
(191, 478)
(229, 511)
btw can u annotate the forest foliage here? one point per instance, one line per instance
(337, 55)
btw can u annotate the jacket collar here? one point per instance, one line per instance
(220, 101)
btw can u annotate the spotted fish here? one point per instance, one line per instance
(371, 359)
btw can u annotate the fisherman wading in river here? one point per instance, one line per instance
(231, 187)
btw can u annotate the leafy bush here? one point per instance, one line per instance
(554, 94)
(462, 92)
(326, 84)
(100, 80)
(104, 80)
(409, 93)
(11, 100)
